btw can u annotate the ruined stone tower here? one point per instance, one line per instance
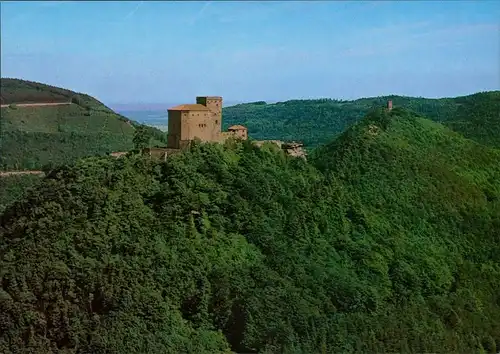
(389, 105)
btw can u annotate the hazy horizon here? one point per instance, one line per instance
(156, 106)
(158, 52)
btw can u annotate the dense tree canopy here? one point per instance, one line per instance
(15, 187)
(317, 122)
(387, 240)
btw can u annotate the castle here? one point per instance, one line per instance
(203, 120)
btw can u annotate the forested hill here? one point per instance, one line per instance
(385, 241)
(34, 136)
(316, 122)
(16, 91)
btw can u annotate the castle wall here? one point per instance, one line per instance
(224, 136)
(185, 128)
(184, 144)
(160, 153)
(174, 129)
(199, 124)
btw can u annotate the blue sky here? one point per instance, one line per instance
(169, 52)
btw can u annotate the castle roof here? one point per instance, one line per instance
(237, 127)
(189, 107)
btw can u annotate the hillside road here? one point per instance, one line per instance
(37, 104)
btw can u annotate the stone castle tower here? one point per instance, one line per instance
(202, 120)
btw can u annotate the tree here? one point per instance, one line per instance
(142, 138)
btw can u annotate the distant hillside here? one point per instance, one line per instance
(318, 121)
(32, 137)
(21, 91)
(384, 241)
(477, 117)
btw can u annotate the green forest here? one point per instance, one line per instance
(385, 240)
(15, 187)
(317, 122)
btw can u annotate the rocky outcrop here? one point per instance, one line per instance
(294, 149)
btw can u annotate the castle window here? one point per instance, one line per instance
(216, 122)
